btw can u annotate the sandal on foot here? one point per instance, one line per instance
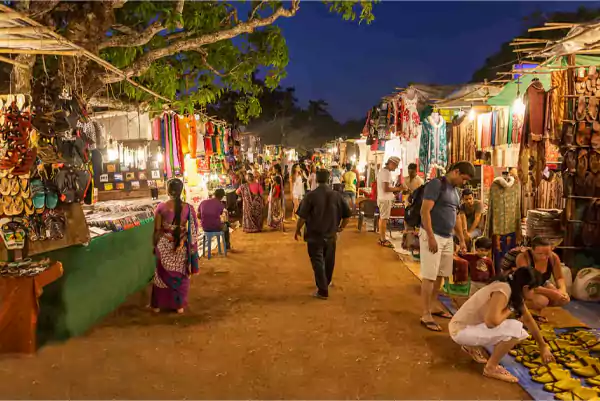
(475, 353)
(386, 244)
(431, 325)
(442, 314)
(499, 373)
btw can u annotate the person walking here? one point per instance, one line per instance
(336, 177)
(312, 178)
(297, 185)
(253, 204)
(439, 211)
(325, 214)
(385, 197)
(175, 243)
(350, 181)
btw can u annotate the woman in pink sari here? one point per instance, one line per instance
(252, 198)
(176, 248)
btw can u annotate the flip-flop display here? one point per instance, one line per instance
(576, 373)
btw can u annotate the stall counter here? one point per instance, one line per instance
(97, 279)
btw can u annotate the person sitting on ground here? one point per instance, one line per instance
(211, 212)
(470, 212)
(481, 267)
(541, 257)
(439, 211)
(413, 181)
(484, 321)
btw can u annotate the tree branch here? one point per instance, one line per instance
(255, 9)
(41, 8)
(179, 12)
(112, 103)
(204, 56)
(143, 63)
(137, 39)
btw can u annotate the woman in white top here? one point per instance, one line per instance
(312, 178)
(297, 185)
(484, 321)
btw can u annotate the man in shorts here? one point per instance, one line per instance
(385, 197)
(438, 222)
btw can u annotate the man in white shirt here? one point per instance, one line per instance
(385, 197)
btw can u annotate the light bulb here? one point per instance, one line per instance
(519, 106)
(471, 115)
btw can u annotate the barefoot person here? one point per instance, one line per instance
(438, 221)
(484, 321)
(176, 249)
(325, 213)
(540, 257)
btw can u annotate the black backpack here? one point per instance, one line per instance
(412, 214)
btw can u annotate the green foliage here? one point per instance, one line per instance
(348, 9)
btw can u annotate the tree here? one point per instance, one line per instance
(188, 51)
(505, 58)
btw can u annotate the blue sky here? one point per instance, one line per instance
(352, 66)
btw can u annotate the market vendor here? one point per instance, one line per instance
(470, 212)
(413, 181)
(211, 212)
(541, 257)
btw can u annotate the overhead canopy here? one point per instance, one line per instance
(469, 95)
(509, 92)
(582, 37)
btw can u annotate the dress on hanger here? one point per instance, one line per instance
(410, 115)
(433, 150)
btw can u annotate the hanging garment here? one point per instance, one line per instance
(533, 126)
(200, 133)
(550, 192)
(479, 132)
(557, 113)
(503, 126)
(184, 134)
(515, 126)
(494, 140)
(433, 150)
(210, 128)
(412, 148)
(485, 120)
(156, 129)
(410, 115)
(504, 212)
(193, 141)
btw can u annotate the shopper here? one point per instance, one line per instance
(439, 211)
(385, 197)
(484, 321)
(297, 186)
(176, 249)
(253, 204)
(325, 214)
(349, 179)
(541, 257)
(312, 178)
(211, 213)
(276, 214)
(470, 210)
(413, 181)
(336, 177)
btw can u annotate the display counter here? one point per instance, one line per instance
(97, 279)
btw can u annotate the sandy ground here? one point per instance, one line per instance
(253, 331)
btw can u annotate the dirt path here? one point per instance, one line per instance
(253, 331)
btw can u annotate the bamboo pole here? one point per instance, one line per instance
(37, 51)
(571, 24)
(19, 30)
(13, 62)
(531, 40)
(33, 42)
(548, 28)
(525, 43)
(9, 15)
(528, 49)
(83, 51)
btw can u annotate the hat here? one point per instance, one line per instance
(395, 160)
(334, 164)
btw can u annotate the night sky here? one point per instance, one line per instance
(352, 66)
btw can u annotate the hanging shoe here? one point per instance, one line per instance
(580, 112)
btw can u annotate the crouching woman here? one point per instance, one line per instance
(484, 321)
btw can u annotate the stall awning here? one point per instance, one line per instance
(583, 37)
(469, 95)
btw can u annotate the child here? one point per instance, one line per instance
(460, 267)
(483, 321)
(481, 267)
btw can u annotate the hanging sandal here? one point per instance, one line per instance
(15, 187)
(568, 134)
(580, 113)
(592, 113)
(583, 137)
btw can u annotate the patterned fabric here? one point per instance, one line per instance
(410, 117)
(252, 210)
(275, 216)
(558, 80)
(504, 207)
(433, 152)
(501, 246)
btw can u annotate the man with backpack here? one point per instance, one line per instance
(439, 210)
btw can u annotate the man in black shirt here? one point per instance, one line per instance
(325, 214)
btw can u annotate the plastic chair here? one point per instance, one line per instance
(368, 209)
(207, 243)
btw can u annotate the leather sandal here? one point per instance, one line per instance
(568, 134)
(590, 182)
(15, 186)
(562, 385)
(583, 137)
(580, 113)
(592, 113)
(581, 76)
(570, 161)
(582, 162)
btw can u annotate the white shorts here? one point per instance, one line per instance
(482, 336)
(385, 208)
(439, 264)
